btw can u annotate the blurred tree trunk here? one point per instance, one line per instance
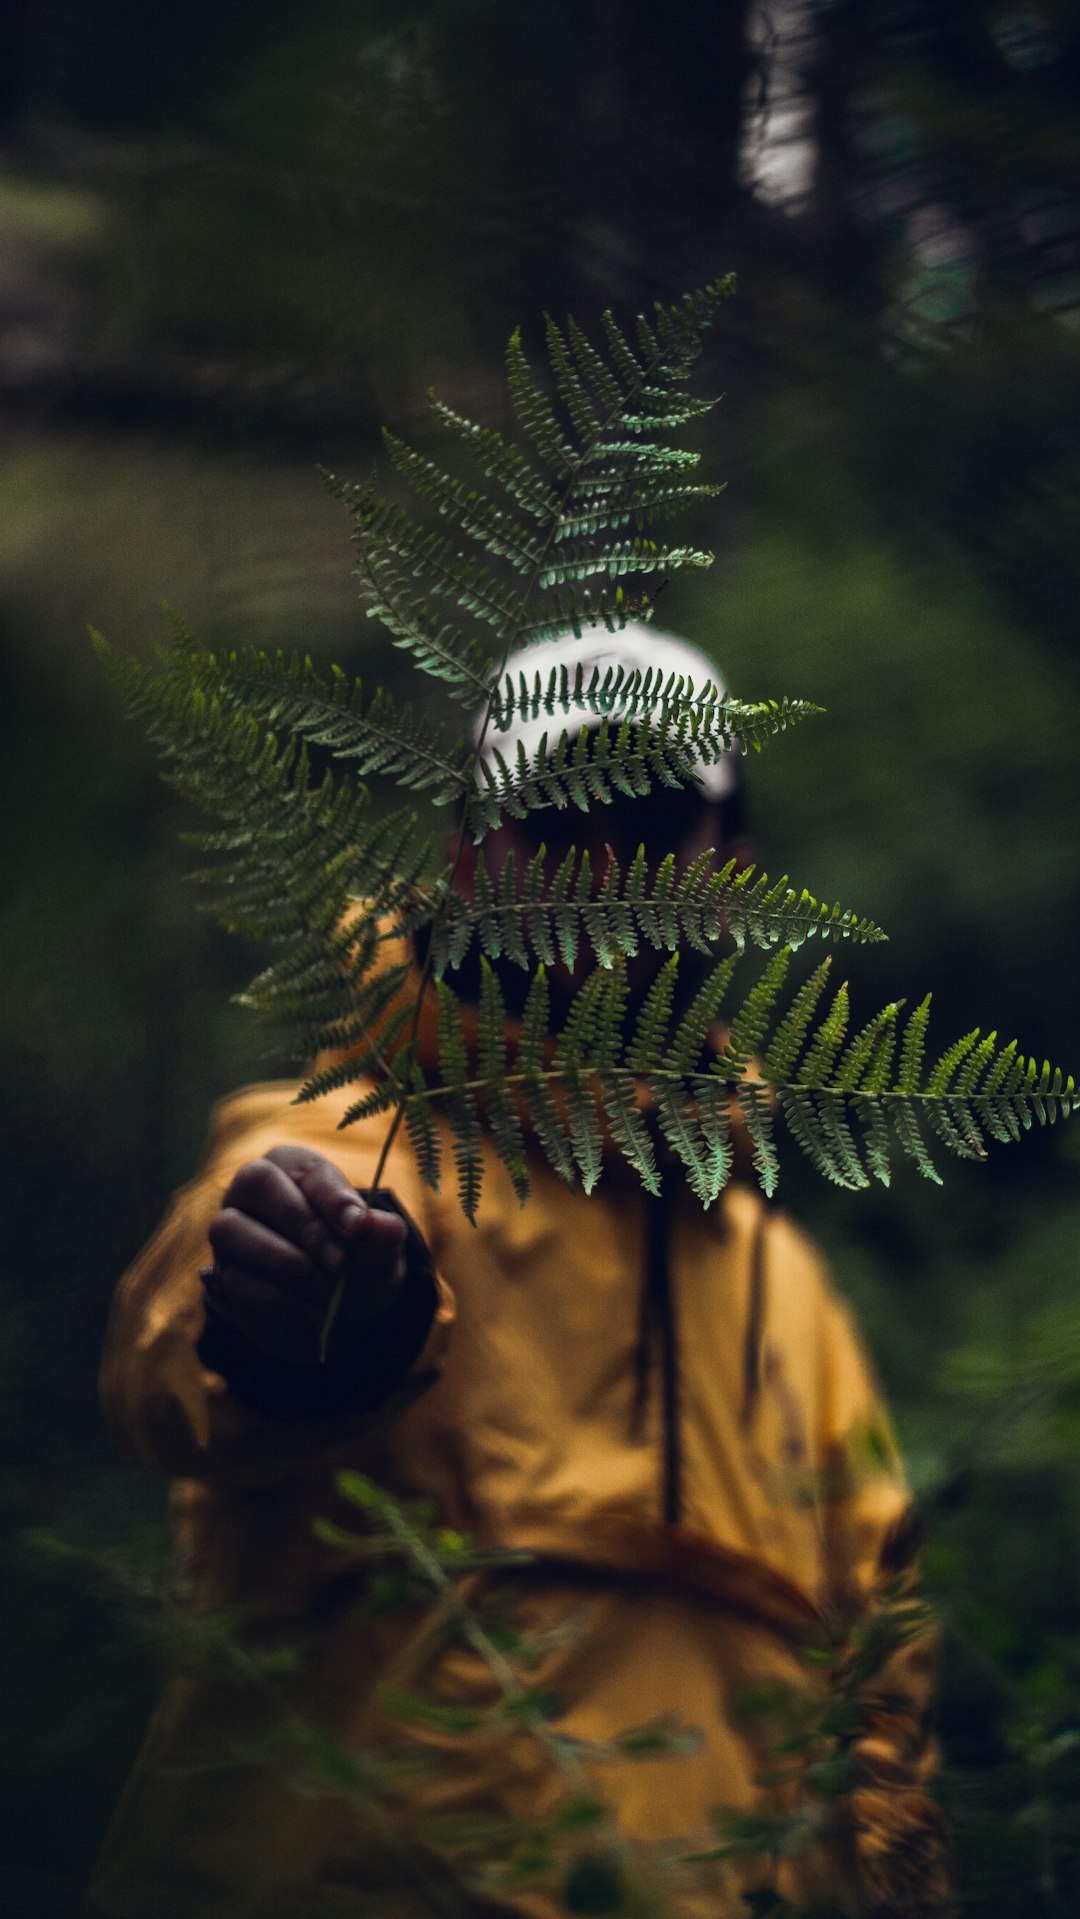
(665, 107)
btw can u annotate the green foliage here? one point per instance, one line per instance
(536, 547)
(807, 1735)
(621, 757)
(843, 1104)
(575, 1848)
(549, 535)
(886, 520)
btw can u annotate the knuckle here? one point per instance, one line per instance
(298, 1161)
(283, 1156)
(224, 1228)
(319, 1175)
(249, 1182)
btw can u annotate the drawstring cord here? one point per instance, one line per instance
(755, 1323)
(657, 1326)
(642, 1361)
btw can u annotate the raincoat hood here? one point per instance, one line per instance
(701, 1530)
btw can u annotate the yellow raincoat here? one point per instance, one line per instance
(675, 1472)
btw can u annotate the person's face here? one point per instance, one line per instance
(664, 821)
(675, 821)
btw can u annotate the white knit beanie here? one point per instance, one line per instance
(635, 648)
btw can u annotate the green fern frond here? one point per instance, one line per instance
(827, 1041)
(877, 1070)
(385, 1096)
(598, 690)
(605, 502)
(713, 1109)
(578, 561)
(226, 763)
(803, 1123)
(680, 1125)
(905, 1124)
(477, 514)
(183, 639)
(575, 486)
(533, 1037)
(758, 1119)
(586, 1135)
(843, 1163)
(627, 1126)
(974, 1089)
(441, 647)
(423, 1132)
(1002, 1125)
(550, 1125)
(499, 1107)
(963, 1142)
(876, 1131)
(347, 1011)
(617, 756)
(790, 1034)
(386, 533)
(951, 1058)
(655, 908)
(629, 694)
(619, 466)
(371, 1051)
(292, 858)
(306, 845)
(461, 1104)
(750, 1024)
(585, 413)
(844, 1108)
(598, 376)
(556, 534)
(288, 693)
(914, 1047)
(577, 607)
(654, 1018)
(589, 1033)
(535, 414)
(499, 460)
(691, 1037)
(861, 1057)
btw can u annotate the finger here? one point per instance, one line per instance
(268, 1316)
(379, 1235)
(239, 1240)
(265, 1191)
(325, 1188)
(380, 1239)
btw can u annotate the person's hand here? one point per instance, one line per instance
(289, 1226)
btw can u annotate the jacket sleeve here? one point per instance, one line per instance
(902, 1853)
(195, 1400)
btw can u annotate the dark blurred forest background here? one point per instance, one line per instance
(233, 240)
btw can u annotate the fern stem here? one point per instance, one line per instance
(742, 897)
(1001, 1102)
(649, 361)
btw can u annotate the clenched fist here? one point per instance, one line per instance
(290, 1225)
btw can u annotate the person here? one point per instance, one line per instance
(667, 1408)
